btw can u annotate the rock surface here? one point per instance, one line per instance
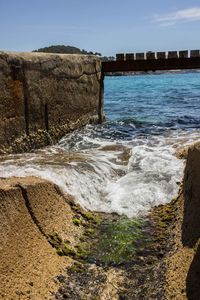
(44, 96)
(33, 211)
(183, 261)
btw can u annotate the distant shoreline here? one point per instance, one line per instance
(117, 74)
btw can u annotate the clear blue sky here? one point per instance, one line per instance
(106, 26)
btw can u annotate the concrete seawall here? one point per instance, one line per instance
(44, 96)
(182, 276)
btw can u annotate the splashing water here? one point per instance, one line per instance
(127, 165)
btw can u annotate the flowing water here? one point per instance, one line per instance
(128, 164)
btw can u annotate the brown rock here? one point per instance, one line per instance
(32, 209)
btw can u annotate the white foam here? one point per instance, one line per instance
(96, 177)
(151, 180)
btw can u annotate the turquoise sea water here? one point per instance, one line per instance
(141, 104)
(128, 164)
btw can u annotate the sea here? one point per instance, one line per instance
(128, 164)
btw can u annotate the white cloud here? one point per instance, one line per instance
(184, 15)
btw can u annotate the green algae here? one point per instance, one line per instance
(77, 268)
(76, 221)
(118, 241)
(113, 241)
(90, 232)
(65, 250)
(82, 250)
(106, 240)
(55, 240)
(62, 247)
(91, 217)
(59, 251)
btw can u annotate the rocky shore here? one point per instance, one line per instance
(52, 249)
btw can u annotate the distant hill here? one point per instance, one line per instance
(71, 50)
(66, 50)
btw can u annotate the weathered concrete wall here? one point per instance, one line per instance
(32, 212)
(42, 93)
(191, 221)
(183, 263)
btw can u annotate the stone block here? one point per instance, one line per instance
(150, 55)
(120, 56)
(183, 54)
(195, 53)
(140, 56)
(161, 55)
(172, 54)
(130, 56)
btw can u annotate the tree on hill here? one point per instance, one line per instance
(66, 50)
(72, 50)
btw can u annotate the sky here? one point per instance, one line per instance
(105, 26)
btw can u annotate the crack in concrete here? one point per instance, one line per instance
(30, 210)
